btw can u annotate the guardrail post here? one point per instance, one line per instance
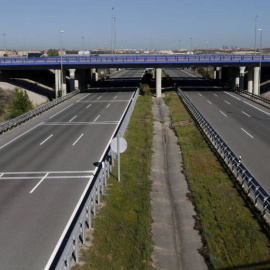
(89, 215)
(76, 248)
(98, 192)
(265, 205)
(256, 195)
(94, 204)
(67, 263)
(249, 186)
(83, 231)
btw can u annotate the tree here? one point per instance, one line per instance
(19, 104)
(53, 52)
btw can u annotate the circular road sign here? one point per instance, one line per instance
(122, 145)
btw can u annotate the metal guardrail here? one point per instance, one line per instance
(87, 210)
(251, 186)
(177, 58)
(256, 98)
(25, 117)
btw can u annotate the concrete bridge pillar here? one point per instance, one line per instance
(57, 81)
(256, 86)
(158, 82)
(64, 83)
(242, 77)
(237, 81)
(216, 73)
(72, 80)
(94, 73)
(250, 79)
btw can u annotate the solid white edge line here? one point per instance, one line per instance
(60, 111)
(108, 106)
(223, 113)
(39, 183)
(209, 102)
(47, 267)
(46, 139)
(77, 140)
(247, 133)
(50, 172)
(257, 108)
(96, 118)
(231, 95)
(20, 135)
(246, 114)
(72, 118)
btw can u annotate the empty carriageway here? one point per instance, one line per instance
(46, 166)
(243, 124)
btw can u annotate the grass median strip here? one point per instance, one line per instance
(235, 237)
(122, 229)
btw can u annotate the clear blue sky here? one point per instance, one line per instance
(143, 24)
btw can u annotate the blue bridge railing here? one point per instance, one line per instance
(174, 58)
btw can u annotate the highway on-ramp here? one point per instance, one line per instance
(243, 124)
(45, 166)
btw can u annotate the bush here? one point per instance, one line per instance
(19, 104)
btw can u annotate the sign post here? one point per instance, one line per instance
(118, 145)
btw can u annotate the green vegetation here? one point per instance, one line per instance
(53, 52)
(19, 104)
(5, 97)
(236, 237)
(122, 229)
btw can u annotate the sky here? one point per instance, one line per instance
(145, 24)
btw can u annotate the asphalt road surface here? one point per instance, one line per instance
(45, 166)
(243, 124)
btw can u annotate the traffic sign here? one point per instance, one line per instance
(122, 145)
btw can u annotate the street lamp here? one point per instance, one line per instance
(179, 44)
(190, 45)
(83, 45)
(4, 43)
(61, 32)
(260, 59)
(257, 16)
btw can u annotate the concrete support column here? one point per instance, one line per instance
(158, 82)
(250, 79)
(237, 82)
(72, 80)
(64, 83)
(242, 77)
(94, 72)
(218, 73)
(256, 87)
(57, 73)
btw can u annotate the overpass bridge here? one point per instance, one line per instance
(82, 67)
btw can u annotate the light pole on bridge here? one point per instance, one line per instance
(61, 32)
(255, 44)
(4, 43)
(260, 59)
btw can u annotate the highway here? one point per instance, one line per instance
(243, 124)
(46, 164)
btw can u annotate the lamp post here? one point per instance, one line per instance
(61, 62)
(190, 45)
(83, 45)
(260, 59)
(179, 44)
(4, 43)
(112, 34)
(257, 16)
